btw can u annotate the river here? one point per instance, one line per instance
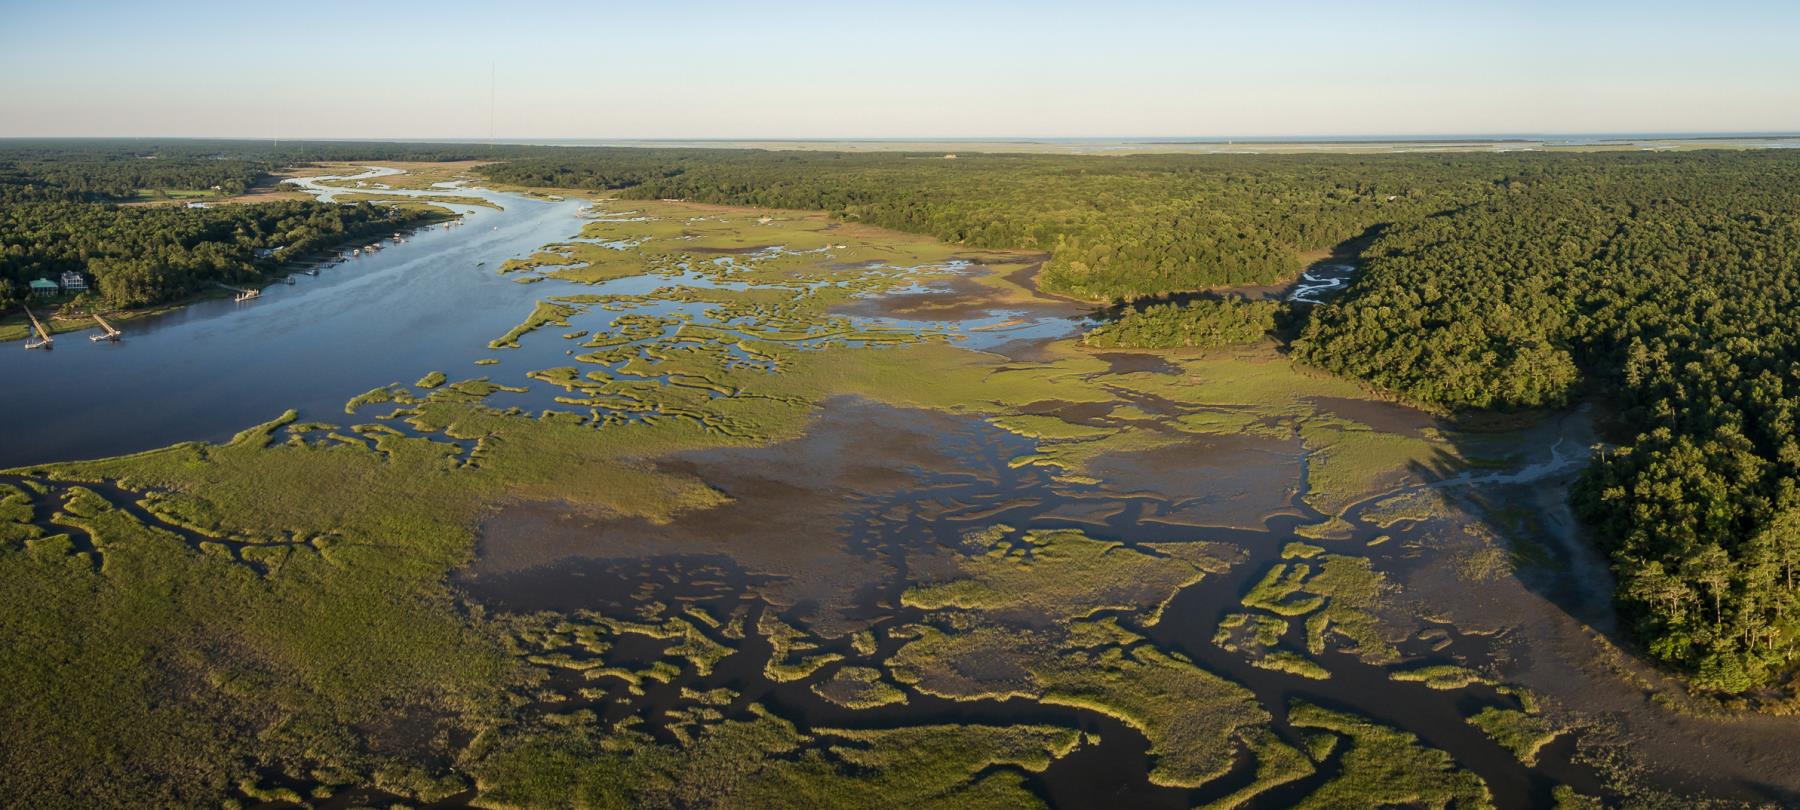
(207, 370)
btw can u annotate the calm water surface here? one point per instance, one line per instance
(209, 370)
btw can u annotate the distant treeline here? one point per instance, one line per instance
(1116, 227)
(56, 212)
(106, 170)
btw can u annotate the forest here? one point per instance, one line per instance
(1204, 322)
(134, 256)
(1664, 288)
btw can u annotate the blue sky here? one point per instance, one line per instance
(919, 69)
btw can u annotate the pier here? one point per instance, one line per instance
(242, 294)
(108, 332)
(44, 340)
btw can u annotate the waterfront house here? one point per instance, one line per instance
(43, 288)
(73, 282)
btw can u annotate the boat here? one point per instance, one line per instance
(356, 252)
(311, 271)
(290, 280)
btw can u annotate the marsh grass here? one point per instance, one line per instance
(1519, 732)
(859, 688)
(1384, 767)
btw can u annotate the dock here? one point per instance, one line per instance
(44, 340)
(109, 332)
(242, 294)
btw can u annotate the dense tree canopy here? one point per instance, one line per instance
(144, 255)
(1204, 322)
(1668, 284)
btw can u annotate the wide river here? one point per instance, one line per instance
(208, 370)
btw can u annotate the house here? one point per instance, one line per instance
(43, 288)
(73, 282)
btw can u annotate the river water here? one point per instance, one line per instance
(208, 370)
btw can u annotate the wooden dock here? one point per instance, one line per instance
(107, 333)
(44, 340)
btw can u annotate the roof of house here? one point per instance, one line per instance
(43, 283)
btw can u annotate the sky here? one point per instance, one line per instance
(926, 69)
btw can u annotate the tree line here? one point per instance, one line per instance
(1119, 227)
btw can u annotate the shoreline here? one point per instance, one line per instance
(14, 326)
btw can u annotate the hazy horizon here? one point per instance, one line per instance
(1132, 70)
(600, 140)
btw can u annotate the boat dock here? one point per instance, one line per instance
(43, 340)
(242, 294)
(109, 334)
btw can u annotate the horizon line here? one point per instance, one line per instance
(1446, 137)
